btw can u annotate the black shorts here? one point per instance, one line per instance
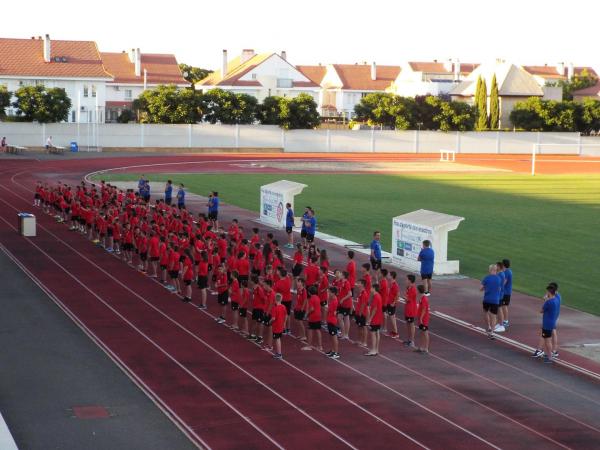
(257, 315)
(288, 307)
(288, 230)
(390, 310)
(302, 234)
(102, 235)
(36, 196)
(213, 215)
(223, 298)
(409, 319)
(310, 237)
(67, 210)
(144, 256)
(299, 315)
(187, 282)
(202, 282)
(256, 272)
(423, 327)
(323, 304)
(361, 321)
(297, 270)
(546, 333)
(174, 274)
(314, 325)
(82, 221)
(267, 319)
(127, 247)
(154, 258)
(109, 232)
(332, 329)
(505, 300)
(374, 327)
(74, 218)
(163, 267)
(243, 278)
(490, 307)
(343, 311)
(243, 312)
(426, 276)
(376, 263)
(235, 306)
(277, 335)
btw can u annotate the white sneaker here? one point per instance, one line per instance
(499, 329)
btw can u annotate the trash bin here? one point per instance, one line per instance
(74, 147)
(26, 224)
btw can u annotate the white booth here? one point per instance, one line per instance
(273, 198)
(410, 230)
(26, 224)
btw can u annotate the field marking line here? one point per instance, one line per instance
(141, 333)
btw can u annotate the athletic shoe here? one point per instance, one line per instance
(306, 348)
(267, 348)
(394, 335)
(287, 331)
(417, 350)
(371, 354)
(537, 354)
(547, 360)
(335, 355)
(505, 323)
(289, 246)
(554, 355)
(424, 352)
(277, 356)
(499, 329)
(251, 337)
(221, 319)
(202, 307)
(408, 343)
(259, 340)
(491, 336)
(329, 353)
(186, 299)
(427, 293)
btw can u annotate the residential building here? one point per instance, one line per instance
(260, 75)
(343, 85)
(514, 84)
(133, 72)
(429, 77)
(592, 92)
(75, 66)
(550, 74)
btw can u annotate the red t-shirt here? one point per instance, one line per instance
(235, 291)
(164, 254)
(203, 269)
(362, 305)
(344, 290)
(300, 299)
(367, 278)
(245, 298)
(243, 266)
(284, 287)
(269, 301)
(383, 291)
(424, 310)
(312, 274)
(221, 282)
(278, 314)
(314, 303)
(332, 305)
(188, 269)
(394, 290)
(298, 258)
(153, 246)
(376, 304)
(323, 288)
(258, 298)
(410, 308)
(351, 269)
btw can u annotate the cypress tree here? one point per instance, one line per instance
(494, 105)
(482, 119)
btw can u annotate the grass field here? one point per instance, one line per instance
(548, 225)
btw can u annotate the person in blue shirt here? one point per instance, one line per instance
(146, 195)
(169, 192)
(427, 258)
(141, 183)
(505, 301)
(311, 226)
(376, 254)
(490, 286)
(213, 209)
(181, 196)
(289, 225)
(500, 272)
(549, 313)
(303, 227)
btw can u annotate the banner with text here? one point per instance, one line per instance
(407, 240)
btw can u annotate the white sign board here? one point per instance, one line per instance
(407, 242)
(273, 198)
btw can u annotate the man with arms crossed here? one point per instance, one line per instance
(426, 257)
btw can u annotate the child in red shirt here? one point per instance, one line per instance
(235, 296)
(187, 274)
(410, 310)
(314, 319)
(244, 304)
(324, 293)
(278, 315)
(375, 320)
(203, 277)
(362, 312)
(222, 292)
(393, 295)
(345, 303)
(300, 306)
(423, 314)
(332, 322)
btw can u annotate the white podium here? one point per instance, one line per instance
(273, 198)
(410, 230)
(26, 224)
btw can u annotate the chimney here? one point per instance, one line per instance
(284, 55)
(247, 53)
(570, 71)
(448, 65)
(47, 49)
(560, 68)
(138, 62)
(373, 71)
(457, 70)
(224, 64)
(131, 53)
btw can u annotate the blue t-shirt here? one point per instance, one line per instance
(502, 281)
(491, 289)
(508, 284)
(550, 315)
(169, 192)
(376, 247)
(180, 196)
(304, 217)
(141, 183)
(426, 256)
(214, 205)
(558, 300)
(312, 225)
(289, 218)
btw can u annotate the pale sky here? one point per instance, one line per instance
(324, 31)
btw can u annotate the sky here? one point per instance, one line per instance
(325, 31)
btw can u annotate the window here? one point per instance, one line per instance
(93, 90)
(128, 94)
(73, 116)
(254, 76)
(284, 82)
(85, 90)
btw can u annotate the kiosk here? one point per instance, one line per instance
(273, 198)
(410, 230)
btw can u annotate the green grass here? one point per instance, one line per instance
(549, 226)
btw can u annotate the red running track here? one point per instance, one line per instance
(225, 392)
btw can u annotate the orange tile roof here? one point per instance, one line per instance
(592, 91)
(162, 69)
(551, 72)
(25, 57)
(438, 67)
(358, 76)
(313, 73)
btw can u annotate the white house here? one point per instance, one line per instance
(260, 75)
(133, 72)
(75, 66)
(429, 77)
(343, 85)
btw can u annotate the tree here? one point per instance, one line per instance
(126, 116)
(494, 105)
(299, 113)
(193, 74)
(37, 103)
(167, 104)
(451, 116)
(228, 108)
(588, 116)
(5, 97)
(383, 109)
(481, 102)
(269, 111)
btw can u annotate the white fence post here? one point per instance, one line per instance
(416, 141)
(190, 135)
(283, 139)
(141, 135)
(579, 149)
(237, 135)
(458, 142)
(43, 134)
(533, 152)
(372, 140)
(498, 142)
(328, 140)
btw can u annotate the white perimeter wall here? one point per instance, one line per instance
(267, 136)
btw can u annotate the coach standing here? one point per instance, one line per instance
(427, 259)
(213, 209)
(376, 253)
(490, 286)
